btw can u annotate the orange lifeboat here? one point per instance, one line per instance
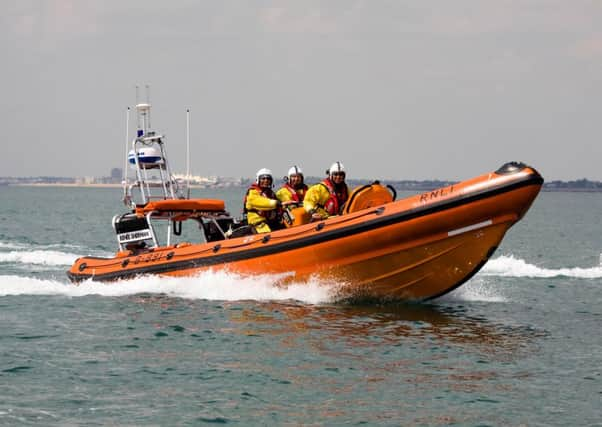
(417, 248)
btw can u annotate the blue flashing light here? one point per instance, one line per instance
(140, 133)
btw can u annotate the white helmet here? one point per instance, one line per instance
(336, 167)
(263, 172)
(295, 170)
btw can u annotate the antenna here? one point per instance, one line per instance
(127, 141)
(148, 124)
(125, 166)
(143, 113)
(188, 150)
(138, 124)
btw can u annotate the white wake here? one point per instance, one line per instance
(209, 285)
(476, 289)
(29, 254)
(38, 257)
(509, 266)
(222, 285)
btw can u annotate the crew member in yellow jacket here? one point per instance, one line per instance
(294, 188)
(263, 209)
(328, 197)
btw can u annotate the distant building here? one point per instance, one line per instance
(203, 181)
(85, 180)
(116, 174)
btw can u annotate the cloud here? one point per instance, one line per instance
(49, 24)
(305, 20)
(588, 48)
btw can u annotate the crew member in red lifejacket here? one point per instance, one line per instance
(294, 188)
(327, 197)
(261, 205)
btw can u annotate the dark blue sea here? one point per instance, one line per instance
(520, 344)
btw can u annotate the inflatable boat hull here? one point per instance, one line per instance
(416, 248)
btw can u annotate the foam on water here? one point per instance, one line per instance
(476, 289)
(38, 257)
(10, 245)
(32, 246)
(222, 285)
(210, 285)
(509, 266)
(481, 288)
(30, 254)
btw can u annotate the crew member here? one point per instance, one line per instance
(261, 205)
(327, 197)
(294, 188)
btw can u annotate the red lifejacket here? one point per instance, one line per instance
(334, 204)
(270, 215)
(295, 196)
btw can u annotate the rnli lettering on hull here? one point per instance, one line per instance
(134, 236)
(435, 194)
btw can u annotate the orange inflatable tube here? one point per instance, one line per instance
(416, 248)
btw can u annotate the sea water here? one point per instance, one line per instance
(519, 344)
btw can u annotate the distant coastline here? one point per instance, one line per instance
(582, 185)
(55, 184)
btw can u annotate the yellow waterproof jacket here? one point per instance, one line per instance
(317, 195)
(315, 199)
(259, 207)
(284, 194)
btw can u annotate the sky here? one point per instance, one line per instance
(394, 89)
